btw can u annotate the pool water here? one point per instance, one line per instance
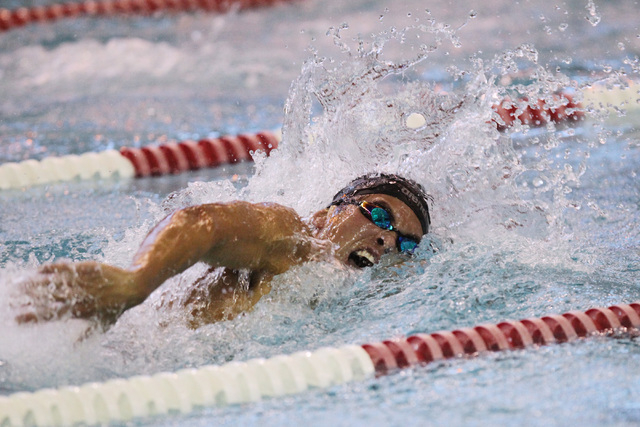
(525, 223)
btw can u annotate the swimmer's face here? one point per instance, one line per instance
(361, 243)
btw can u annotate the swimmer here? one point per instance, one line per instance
(245, 245)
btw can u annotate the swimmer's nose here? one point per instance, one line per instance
(387, 241)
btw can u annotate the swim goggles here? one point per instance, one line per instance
(382, 218)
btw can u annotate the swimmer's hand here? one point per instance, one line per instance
(87, 290)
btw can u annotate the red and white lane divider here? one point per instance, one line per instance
(564, 109)
(611, 99)
(10, 19)
(121, 400)
(418, 349)
(600, 97)
(540, 113)
(174, 158)
(171, 158)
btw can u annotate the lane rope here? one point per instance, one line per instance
(562, 109)
(170, 158)
(15, 18)
(174, 158)
(182, 392)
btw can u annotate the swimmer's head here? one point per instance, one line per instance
(408, 191)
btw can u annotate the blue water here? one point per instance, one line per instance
(526, 223)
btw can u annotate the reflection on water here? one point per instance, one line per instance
(526, 222)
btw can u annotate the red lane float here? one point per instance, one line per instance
(389, 355)
(174, 158)
(10, 19)
(540, 113)
(563, 109)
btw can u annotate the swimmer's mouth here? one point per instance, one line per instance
(362, 258)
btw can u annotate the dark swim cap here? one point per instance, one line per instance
(408, 191)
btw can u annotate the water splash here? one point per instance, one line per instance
(593, 17)
(342, 119)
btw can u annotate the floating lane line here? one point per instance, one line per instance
(174, 158)
(187, 390)
(14, 18)
(121, 400)
(171, 158)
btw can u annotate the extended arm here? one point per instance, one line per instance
(265, 238)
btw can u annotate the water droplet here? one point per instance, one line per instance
(621, 46)
(473, 14)
(537, 182)
(593, 16)
(563, 26)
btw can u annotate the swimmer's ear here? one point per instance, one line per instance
(319, 219)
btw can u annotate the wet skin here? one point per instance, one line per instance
(350, 231)
(245, 244)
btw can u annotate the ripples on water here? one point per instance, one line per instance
(525, 223)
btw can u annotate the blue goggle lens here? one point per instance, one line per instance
(380, 217)
(407, 244)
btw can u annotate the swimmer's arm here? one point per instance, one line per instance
(265, 238)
